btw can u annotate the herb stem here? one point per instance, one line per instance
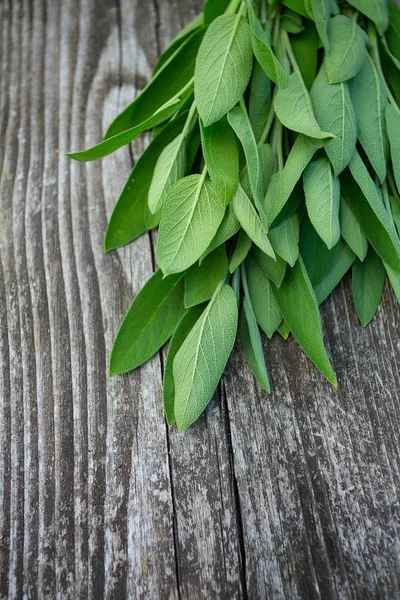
(234, 5)
(291, 55)
(268, 124)
(190, 119)
(244, 279)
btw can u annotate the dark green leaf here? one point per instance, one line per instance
(242, 248)
(252, 346)
(259, 99)
(305, 49)
(338, 268)
(263, 300)
(368, 280)
(213, 9)
(315, 254)
(202, 280)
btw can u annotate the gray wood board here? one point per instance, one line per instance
(292, 495)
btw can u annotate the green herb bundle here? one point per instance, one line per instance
(274, 167)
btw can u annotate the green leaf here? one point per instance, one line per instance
(320, 12)
(274, 269)
(283, 183)
(252, 346)
(213, 9)
(190, 219)
(322, 191)
(242, 248)
(201, 360)
(175, 74)
(177, 42)
(317, 257)
(263, 300)
(239, 121)
(297, 6)
(393, 129)
(376, 10)
(128, 221)
(367, 206)
(352, 232)
(221, 157)
(393, 32)
(284, 330)
(149, 322)
(291, 22)
(305, 50)
(223, 67)
(263, 52)
(285, 239)
(251, 222)
(338, 268)
(294, 109)
(368, 280)
(394, 279)
(369, 100)
(347, 52)
(259, 99)
(169, 168)
(267, 163)
(228, 228)
(299, 307)
(334, 111)
(202, 280)
(121, 139)
(181, 332)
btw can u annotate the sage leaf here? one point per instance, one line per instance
(305, 50)
(259, 100)
(376, 10)
(285, 239)
(223, 67)
(252, 345)
(291, 22)
(322, 192)
(393, 128)
(242, 248)
(228, 228)
(201, 281)
(334, 111)
(149, 322)
(251, 222)
(274, 269)
(181, 332)
(319, 11)
(267, 162)
(369, 100)
(128, 220)
(294, 109)
(283, 183)
(352, 232)
(316, 255)
(262, 298)
(341, 263)
(297, 6)
(189, 221)
(368, 279)
(240, 123)
(213, 9)
(221, 157)
(169, 168)
(299, 307)
(347, 49)
(201, 360)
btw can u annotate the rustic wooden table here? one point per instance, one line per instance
(292, 495)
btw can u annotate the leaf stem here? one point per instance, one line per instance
(268, 124)
(190, 119)
(234, 5)
(289, 50)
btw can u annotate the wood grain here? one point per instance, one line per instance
(292, 495)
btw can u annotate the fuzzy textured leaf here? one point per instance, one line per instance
(347, 49)
(376, 10)
(352, 232)
(285, 239)
(251, 222)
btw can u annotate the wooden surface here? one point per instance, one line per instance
(292, 495)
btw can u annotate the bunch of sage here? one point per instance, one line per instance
(274, 167)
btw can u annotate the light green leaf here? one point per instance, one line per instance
(149, 322)
(201, 360)
(370, 100)
(223, 67)
(285, 239)
(251, 222)
(259, 99)
(322, 191)
(274, 269)
(202, 280)
(221, 157)
(189, 221)
(368, 279)
(242, 248)
(239, 121)
(295, 111)
(366, 204)
(347, 52)
(393, 129)
(169, 168)
(352, 232)
(299, 307)
(181, 332)
(228, 228)
(284, 330)
(263, 300)
(264, 54)
(178, 41)
(376, 10)
(334, 111)
(320, 13)
(128, 221)
(297, 6)
(338, 268)
(305, 50)
(283, 183)
(317, 257)
(252, 346)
